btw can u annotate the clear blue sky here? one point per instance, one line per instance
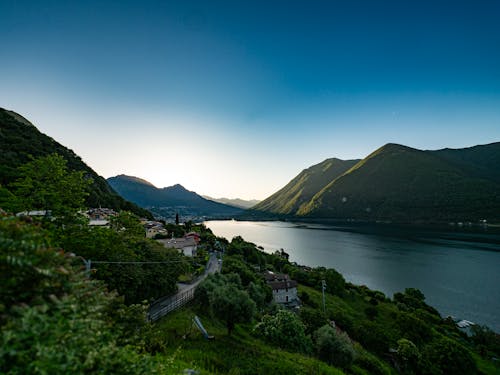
(234, 98)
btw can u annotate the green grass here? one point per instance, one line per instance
(240, 353)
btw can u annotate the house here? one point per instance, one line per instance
(284, 289)
(187, 246)
(153, 228)
(193, 235)
(99, 223)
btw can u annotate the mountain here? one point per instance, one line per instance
(235, 202)
(168, 201)
(302, 188)
(401, 184)
(20, 140)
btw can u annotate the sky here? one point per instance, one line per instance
(235, 98)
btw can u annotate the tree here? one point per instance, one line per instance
(444, 356)
(46, 184)
(226, 298)
(128, 223)
(285, 330)
(333, 347)
(177, 218)
(408, 356)
(232, 305)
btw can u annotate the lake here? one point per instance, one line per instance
(459, 273)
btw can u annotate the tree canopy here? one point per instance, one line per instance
(46, 183)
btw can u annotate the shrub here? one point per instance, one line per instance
(333, 347)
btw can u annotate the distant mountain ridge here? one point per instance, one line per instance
(235, 202)
(20, 140)
(175, 197)
(400, 184)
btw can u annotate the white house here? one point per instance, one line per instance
(284, 289)
(187, 245)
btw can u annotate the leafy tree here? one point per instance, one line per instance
(413, 328)
(372, 336)
(408, 356)
(485, 339)
(46, 184)
(284, 329)
(232, 305)
(8, 201)
(226, 298)
(128, 223)
(333, 347)
(335, 282)
(236, 264)
(313, 319)
(260, 294)
(444, 356)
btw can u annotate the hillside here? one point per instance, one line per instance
(173, 198)
(20, 140)
(401, 184)
(302, 188)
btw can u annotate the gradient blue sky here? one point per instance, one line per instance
(234, 98)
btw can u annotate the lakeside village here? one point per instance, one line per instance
(307, 318)
(284, 289)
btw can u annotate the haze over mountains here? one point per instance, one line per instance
(166, 202)
(236, 202)
(20, 140)
(394, 184)
(397, 183)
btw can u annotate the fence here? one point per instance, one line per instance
(170, 304)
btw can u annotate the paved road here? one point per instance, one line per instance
(162, 303)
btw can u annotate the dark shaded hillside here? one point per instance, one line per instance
(302, 188)
(146, 195)
(20, 141)
(398, 183)
(479, 161)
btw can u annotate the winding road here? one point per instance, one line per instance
(162, 306)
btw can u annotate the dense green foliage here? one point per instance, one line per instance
(334, 347)
(56, 321)
(46, 184)
(20, 142)
(401, 184)
(285, 330)
(136, 282)
(174, 197)
(226, 299)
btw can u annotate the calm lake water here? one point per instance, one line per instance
(459, 273)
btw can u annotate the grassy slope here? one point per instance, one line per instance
(19, 140)
(240, 353)
(403, 184)
(303, 187)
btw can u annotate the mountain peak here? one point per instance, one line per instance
(134, 179)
